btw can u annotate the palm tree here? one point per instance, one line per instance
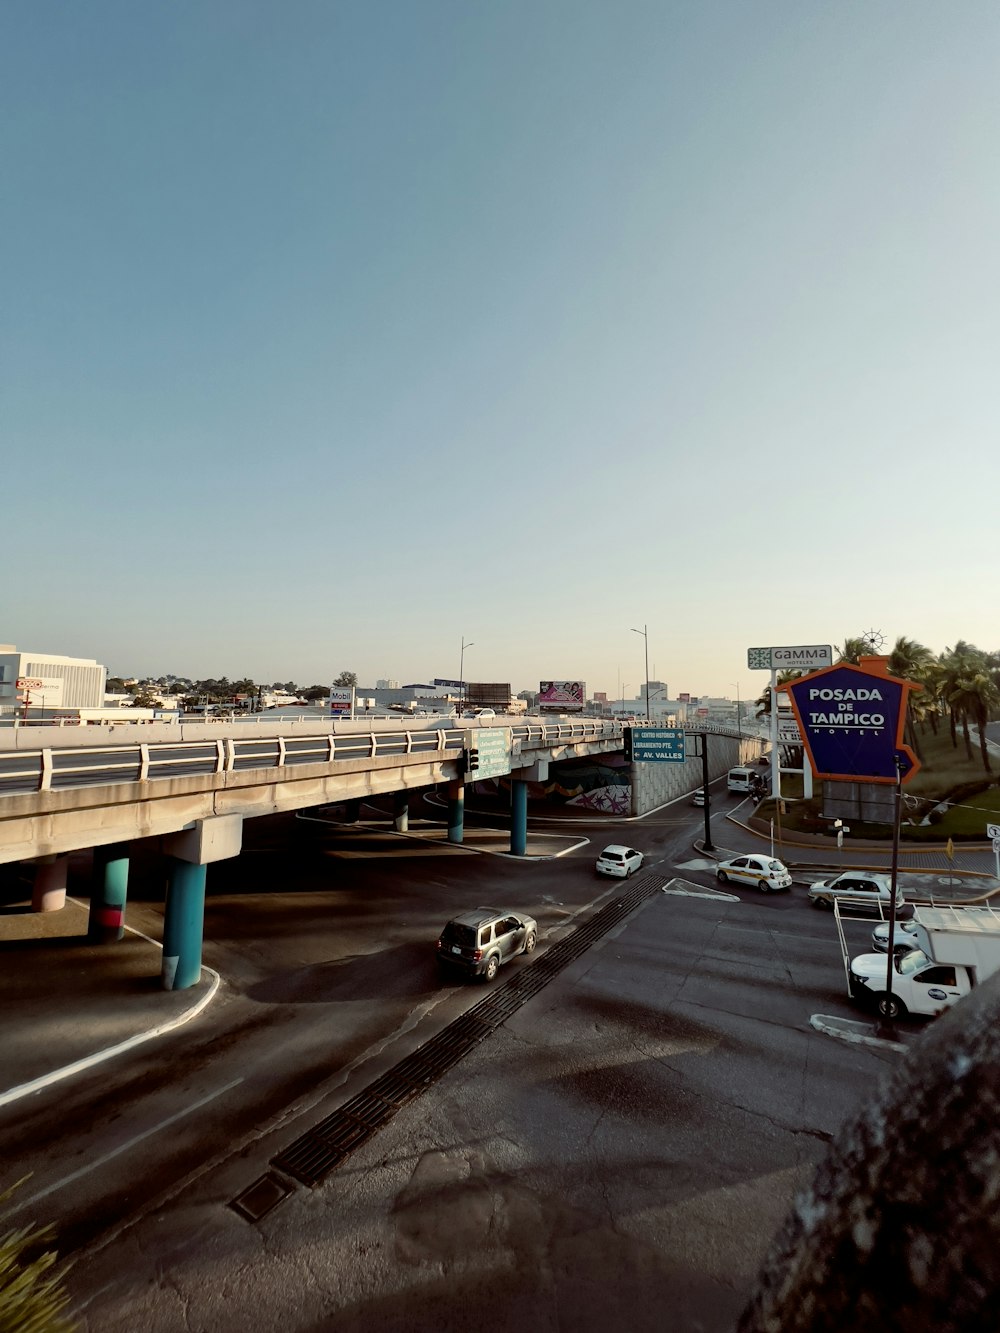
(975, 696)
(853, 650)
(909, 659)
(956, 663)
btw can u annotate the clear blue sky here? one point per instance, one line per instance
(333, 332)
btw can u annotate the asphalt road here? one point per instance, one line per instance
(325, 943)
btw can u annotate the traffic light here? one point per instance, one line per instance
(471, 761)
(627, 743)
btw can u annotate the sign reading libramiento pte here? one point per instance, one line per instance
(852, 723)
(657, 745)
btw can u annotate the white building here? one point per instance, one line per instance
(48, 681)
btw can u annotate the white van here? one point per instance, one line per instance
(740, 779)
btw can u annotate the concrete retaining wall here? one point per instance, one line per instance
(655, 784)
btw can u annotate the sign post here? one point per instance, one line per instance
(852, 720)
(802, 657)
(993, 831)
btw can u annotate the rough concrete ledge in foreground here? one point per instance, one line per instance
(901, 1226)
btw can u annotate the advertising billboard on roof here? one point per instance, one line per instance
(565, 696)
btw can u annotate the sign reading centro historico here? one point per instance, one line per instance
(655, 744)
(806, 657)
(852, 723)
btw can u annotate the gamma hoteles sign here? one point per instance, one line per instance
(852, 720)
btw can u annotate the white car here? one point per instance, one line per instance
(855, 888)
(904, 937)
(618, 861)
(699, 798)
(763, 872)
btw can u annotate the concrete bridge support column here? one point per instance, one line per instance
(188, 856)
(518, 817)
(183, 924)
(352, 810)
(456, 810)
(108, 893)
(401, 811)
(48, 893)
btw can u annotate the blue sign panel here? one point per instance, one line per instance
(852, 723)
(658, 745)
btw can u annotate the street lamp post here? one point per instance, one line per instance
(461, 669)
(645, 634)
(739, 720)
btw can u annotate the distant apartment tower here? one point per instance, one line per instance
(387, 684)
(48, 681)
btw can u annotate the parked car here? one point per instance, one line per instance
(855, 888)
(904, 937)
(764, 872)
(479, 942)
(619, 861)
(699, 798)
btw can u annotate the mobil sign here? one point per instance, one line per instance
(852, 723)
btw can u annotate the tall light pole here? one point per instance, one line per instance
(645, 635)
(461, 668)
(739, 720)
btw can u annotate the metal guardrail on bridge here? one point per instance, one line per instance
(53, 770)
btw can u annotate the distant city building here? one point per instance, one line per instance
(387, 684)
(48, 681)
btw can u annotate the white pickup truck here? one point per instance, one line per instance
(957, 947)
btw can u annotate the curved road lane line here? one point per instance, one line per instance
(109, 1052)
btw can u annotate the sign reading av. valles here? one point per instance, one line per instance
(805, 657)
(852, 723)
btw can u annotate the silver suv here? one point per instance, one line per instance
(855, 888)
(479, 942)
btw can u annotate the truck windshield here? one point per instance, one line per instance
(911, 962)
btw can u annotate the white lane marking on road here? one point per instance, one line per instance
(98, 1057)
(683, 889)
(124, 1147)
(696, 865)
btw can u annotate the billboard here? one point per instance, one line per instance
(40, 691)
(441, 684)
(565, 696)
(804, 657)
(341, 701)
(488, 694)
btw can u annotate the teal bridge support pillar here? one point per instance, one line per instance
(518, 817)
(456, 810)
(401, 811)
(108, 894)
(183, 924)
(189, 854)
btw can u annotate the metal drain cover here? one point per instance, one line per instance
(259, 1198)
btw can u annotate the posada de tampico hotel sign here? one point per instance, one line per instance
(852, 720)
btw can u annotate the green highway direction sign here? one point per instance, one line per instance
(657, 745)
(492, 744)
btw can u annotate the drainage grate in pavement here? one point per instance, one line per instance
(311, 1158)
(260, 1197)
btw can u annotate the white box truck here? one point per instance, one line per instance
(958, 947)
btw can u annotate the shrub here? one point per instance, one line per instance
(31, 1295)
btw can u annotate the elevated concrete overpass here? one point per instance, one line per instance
(194, 784)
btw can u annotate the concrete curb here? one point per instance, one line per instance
(110, 1052)
(837, 1027)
